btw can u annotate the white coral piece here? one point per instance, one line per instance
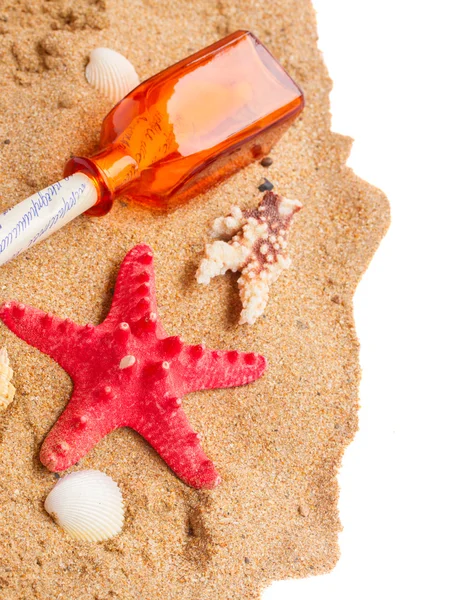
(256, 247)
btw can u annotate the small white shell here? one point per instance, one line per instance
(87, 505)
(7, 390)
(111, 73)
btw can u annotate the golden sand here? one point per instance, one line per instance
(277, 443)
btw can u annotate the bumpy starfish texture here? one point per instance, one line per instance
(253, 242)
(128, 372)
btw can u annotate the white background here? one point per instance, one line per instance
(390, 62)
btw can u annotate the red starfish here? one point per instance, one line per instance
(128, 372)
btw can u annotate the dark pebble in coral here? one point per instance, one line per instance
(265, 186)
(266, 162)
(7, 142)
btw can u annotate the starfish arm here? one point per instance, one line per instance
(208, 369)
(134, 293)
(79, 428)
(179, 446)
(221, 257)
(225, 227)
(48, 333)
(254, 294)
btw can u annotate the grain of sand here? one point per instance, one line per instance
(277, 443)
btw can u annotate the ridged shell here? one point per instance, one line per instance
(87, 505)
(7, 390)
(111, 73)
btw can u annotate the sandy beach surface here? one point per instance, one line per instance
(278, 443)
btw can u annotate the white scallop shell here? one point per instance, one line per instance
(87, 505)
(7, 390)
(111, 73)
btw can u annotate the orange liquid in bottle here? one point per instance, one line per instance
(192, 125)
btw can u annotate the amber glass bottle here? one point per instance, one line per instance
(192, 125)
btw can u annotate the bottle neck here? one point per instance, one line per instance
(112, 168)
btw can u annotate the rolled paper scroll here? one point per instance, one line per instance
(43, 213)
